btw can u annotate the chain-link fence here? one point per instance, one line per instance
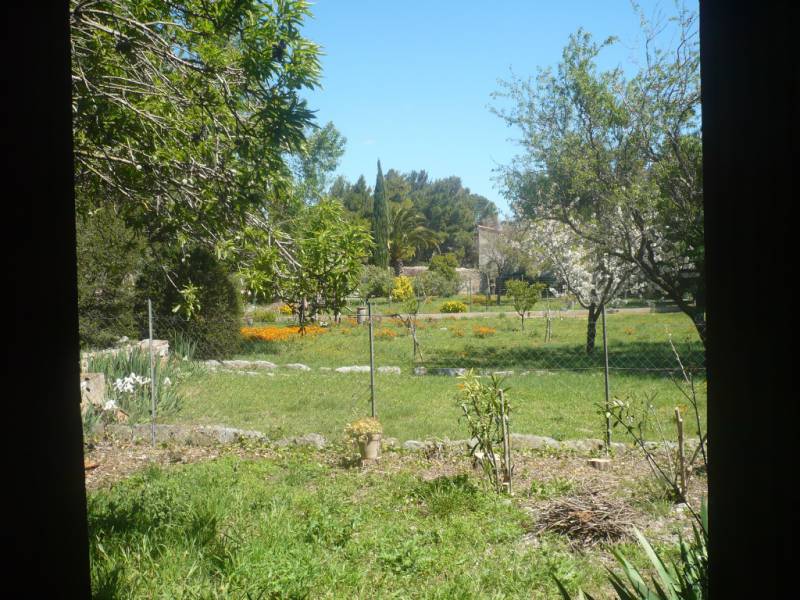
(266, 373)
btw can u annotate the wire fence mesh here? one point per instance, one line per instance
(267, 373)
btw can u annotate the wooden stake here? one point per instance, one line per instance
(506, 443)
(681, 454)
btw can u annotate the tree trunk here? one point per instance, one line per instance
(398, 267)
(591, 328)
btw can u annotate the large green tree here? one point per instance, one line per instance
(619, 161)
(380, 222)
(322, 151)
(184, 111)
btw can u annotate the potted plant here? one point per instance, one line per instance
(366, 432)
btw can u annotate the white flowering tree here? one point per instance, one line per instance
(593, 277)
(619, 161)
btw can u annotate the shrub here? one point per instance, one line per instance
(402, 290)
(262, 315)
(109, 259)
(485, 412)
(445, 265)
(376, 282)
(214, 323)
(430, 283)
(286, 310)
(453, 306)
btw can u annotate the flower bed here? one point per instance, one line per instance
(278, 334)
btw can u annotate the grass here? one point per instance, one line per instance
(557, 396)
(295, 526)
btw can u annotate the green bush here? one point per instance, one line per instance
(432, 283)
(453, 307)
(262, 315)
(376, 282)
(445, 265)
(214, 325)
(109, 260)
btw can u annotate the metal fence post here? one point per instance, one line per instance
(605, 370)
(371, 360)
(152, 375)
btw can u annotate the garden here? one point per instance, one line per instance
(297, 385)
(266, 518)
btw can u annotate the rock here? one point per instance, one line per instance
(601, 464)
(414, 445)
(160, 347)
(212, 364)
(451, 372)
(93, 390)
(493, 372)
(353, 369)
(182, 434)
(533, 441)
(248, 364)
(420, 371)
(298, 366)
(389, 442)
(391, 370)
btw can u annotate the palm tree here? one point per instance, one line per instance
(407, 234)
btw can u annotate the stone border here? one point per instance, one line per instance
(209, 435)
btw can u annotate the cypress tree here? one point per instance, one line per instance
(380, 223)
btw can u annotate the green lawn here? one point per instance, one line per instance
(555, 387)
(298, 525)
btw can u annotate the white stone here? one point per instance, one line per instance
(298, 366)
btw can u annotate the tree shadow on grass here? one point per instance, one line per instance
(652, 358)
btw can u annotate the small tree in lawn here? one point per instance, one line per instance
(525, 296)
(404, 292)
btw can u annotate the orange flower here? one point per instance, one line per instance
(481, 331)
(278, 334)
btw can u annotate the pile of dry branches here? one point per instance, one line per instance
(586, 519)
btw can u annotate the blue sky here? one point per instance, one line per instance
(410, 82)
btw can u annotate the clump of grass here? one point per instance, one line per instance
(653, 496)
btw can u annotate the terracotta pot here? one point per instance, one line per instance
(370, 448)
